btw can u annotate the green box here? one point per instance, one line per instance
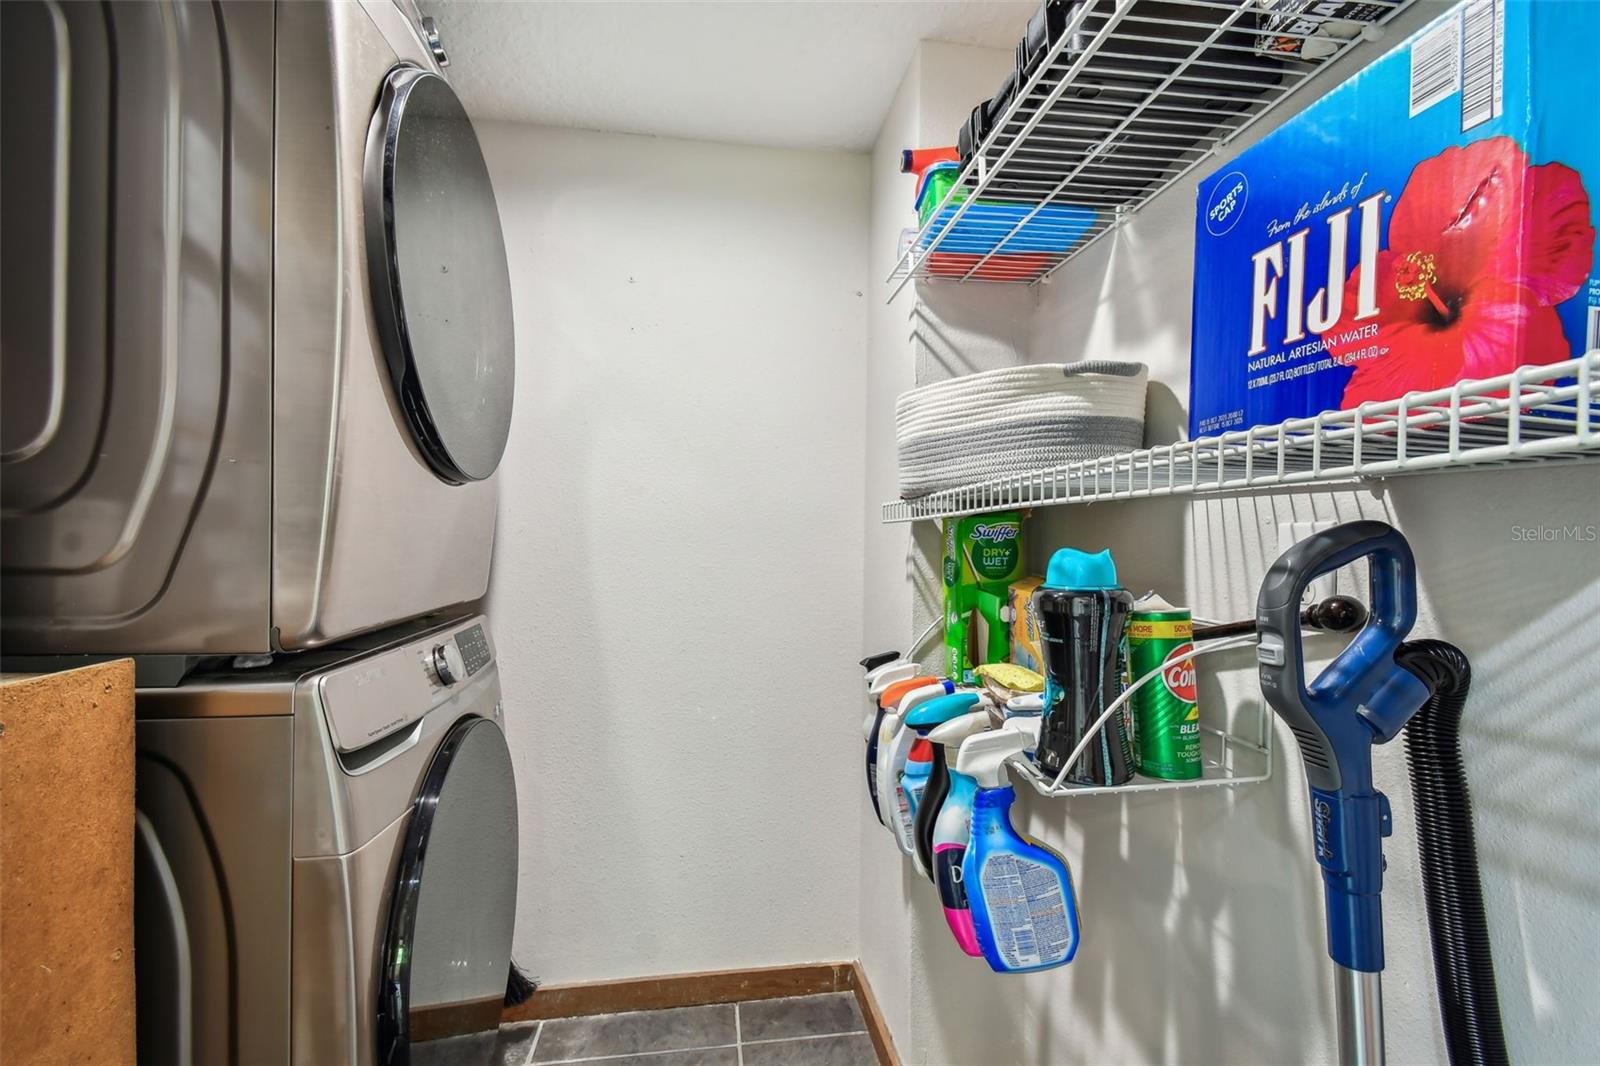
(982, 556)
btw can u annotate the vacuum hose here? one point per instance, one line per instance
(1463, 967)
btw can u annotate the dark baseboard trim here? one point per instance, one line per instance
(710, 986)
(433, 1023)
(877, 1028)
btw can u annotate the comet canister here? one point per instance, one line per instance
(1166, 716)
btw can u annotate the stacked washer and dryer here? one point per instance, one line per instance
(257, 379)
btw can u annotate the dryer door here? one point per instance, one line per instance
(440, 289)
(447, 947)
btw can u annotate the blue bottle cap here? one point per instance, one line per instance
(1072, 569)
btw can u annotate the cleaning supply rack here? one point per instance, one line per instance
(1228, 759)
(1537, 415)
(1128, 99)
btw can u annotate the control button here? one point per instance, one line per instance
(474, 649)
(447, 664)
(1269, 652)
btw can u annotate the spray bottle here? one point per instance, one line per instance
(1023, 911)
(894, 745)
(881, 677)
(918, 160)
(914, 781)
(877, 662)
(936, 712)
(952, 829)
(880, 682)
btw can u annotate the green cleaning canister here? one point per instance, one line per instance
(1166, 716)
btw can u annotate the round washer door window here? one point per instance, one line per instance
(447, 947)
(440, 289)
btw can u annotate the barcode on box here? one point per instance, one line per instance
(1482, 38)
(1435, 65)
(1591, 335)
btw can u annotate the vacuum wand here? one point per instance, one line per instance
(1363, 698)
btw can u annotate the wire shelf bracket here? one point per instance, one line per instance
(1227, 758)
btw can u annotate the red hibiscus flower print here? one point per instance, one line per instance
(1482, 246)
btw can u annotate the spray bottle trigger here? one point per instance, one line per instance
(943, 708)
(953, 732)
(879, 680)
(983, 756)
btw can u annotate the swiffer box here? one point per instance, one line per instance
(1430, 220)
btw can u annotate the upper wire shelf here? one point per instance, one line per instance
(1133, 95)
(1536, 415)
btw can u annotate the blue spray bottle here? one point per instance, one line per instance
(1023, 909)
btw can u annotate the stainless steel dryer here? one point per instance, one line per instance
(327, 855)
(256, 356)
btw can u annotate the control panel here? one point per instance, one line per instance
(372, 698)
(474, 648)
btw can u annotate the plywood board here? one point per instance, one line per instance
(66, 867)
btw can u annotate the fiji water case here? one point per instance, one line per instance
(1431, 220)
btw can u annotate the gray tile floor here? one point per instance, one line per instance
(824, 1030)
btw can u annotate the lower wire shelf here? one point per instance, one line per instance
(1538, 415)
(1228, 758)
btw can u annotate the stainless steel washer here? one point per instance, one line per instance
(327, 855)
(256, 348)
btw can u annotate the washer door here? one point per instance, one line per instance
(441, 293)
(447, 948)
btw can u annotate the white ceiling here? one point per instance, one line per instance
(795, 73)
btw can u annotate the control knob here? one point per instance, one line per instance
(447, 664)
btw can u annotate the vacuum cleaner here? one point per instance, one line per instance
(1379, 685)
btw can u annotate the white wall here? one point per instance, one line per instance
(677, 568)
(911, 339)
(1202, 918)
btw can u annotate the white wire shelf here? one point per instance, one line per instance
(1131, 97)
(1228, 759)
(1537, 415)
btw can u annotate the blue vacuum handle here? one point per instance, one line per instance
(1363, 698)
(1350, 705)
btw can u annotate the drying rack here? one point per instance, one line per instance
(1148, 125)
(1538, 415)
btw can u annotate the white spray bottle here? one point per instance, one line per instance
(894, 744)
